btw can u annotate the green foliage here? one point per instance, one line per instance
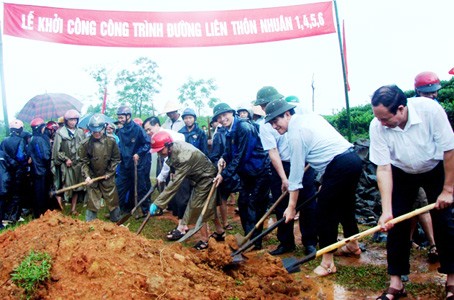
(360, 118)
(3, 130)
(32, 271)
(138, 85)
(198, 93)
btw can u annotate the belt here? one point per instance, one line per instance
(349, 150)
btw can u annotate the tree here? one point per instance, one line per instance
(101, 76)
(138, 85)
(360, 118)
(198, 93)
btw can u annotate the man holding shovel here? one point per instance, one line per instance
(99, 155)
(188, 162)
(412, 143)
(244, 155)
(134, 149)
(279, 152)
(313, 140)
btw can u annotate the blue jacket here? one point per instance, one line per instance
(244, 152)
(218, 146)
(15, 148)
(5, 177)
(196, 137)
(40, 152)
(133, 140)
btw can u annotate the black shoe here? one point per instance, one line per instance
(309, 249)
(281, 250)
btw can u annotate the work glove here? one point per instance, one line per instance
(153, 209)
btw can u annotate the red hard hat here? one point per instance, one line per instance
(72, 114)
(160, 140)
(138, 121)
(36, 122)
(51, 125)
(427, 82)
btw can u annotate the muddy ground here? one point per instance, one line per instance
(99, 260)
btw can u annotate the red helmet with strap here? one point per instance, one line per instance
(36, 122)
(427, 82)
(52, 125)
(160, 140)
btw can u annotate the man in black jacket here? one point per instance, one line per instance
(134, 149)
(40, 155)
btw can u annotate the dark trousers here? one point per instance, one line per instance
(125, 187)
(17, 196)
(181, 199)
(405, 190)
(41, 187)
(307, 213)
(252, 202)
(336, 199)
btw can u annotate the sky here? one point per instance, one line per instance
(388, 42)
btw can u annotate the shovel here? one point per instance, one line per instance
(241, 240)
(292, 264)
(199, 223)
(143, 224)
(53, 193)
(135, 185)
(128, 215)
(237, 258)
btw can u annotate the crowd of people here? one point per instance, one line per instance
(273, 149)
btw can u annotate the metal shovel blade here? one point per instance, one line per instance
(191, 231)
(239, 258)
(290, 264)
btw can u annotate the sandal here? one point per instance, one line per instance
(201, 245)
(346, 251)
(393, 292)
(450, 289)
(433, 254)
(75, 213)
(228, 227)
(323, 270)
(219, 237)
(175, 235)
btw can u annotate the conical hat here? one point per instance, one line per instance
(171, 105)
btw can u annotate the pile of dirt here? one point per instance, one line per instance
(100, 260)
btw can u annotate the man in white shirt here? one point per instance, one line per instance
(313, 140)
(412, 144)
(174, 121)
(278, 150)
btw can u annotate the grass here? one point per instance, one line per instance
(32, 271)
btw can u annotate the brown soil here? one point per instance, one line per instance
(99, 260)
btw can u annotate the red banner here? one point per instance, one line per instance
(167, 29)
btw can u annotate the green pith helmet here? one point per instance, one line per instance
(267, 94)
(276, 108)
(221, 108)
(292, 99)
(97, 123)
